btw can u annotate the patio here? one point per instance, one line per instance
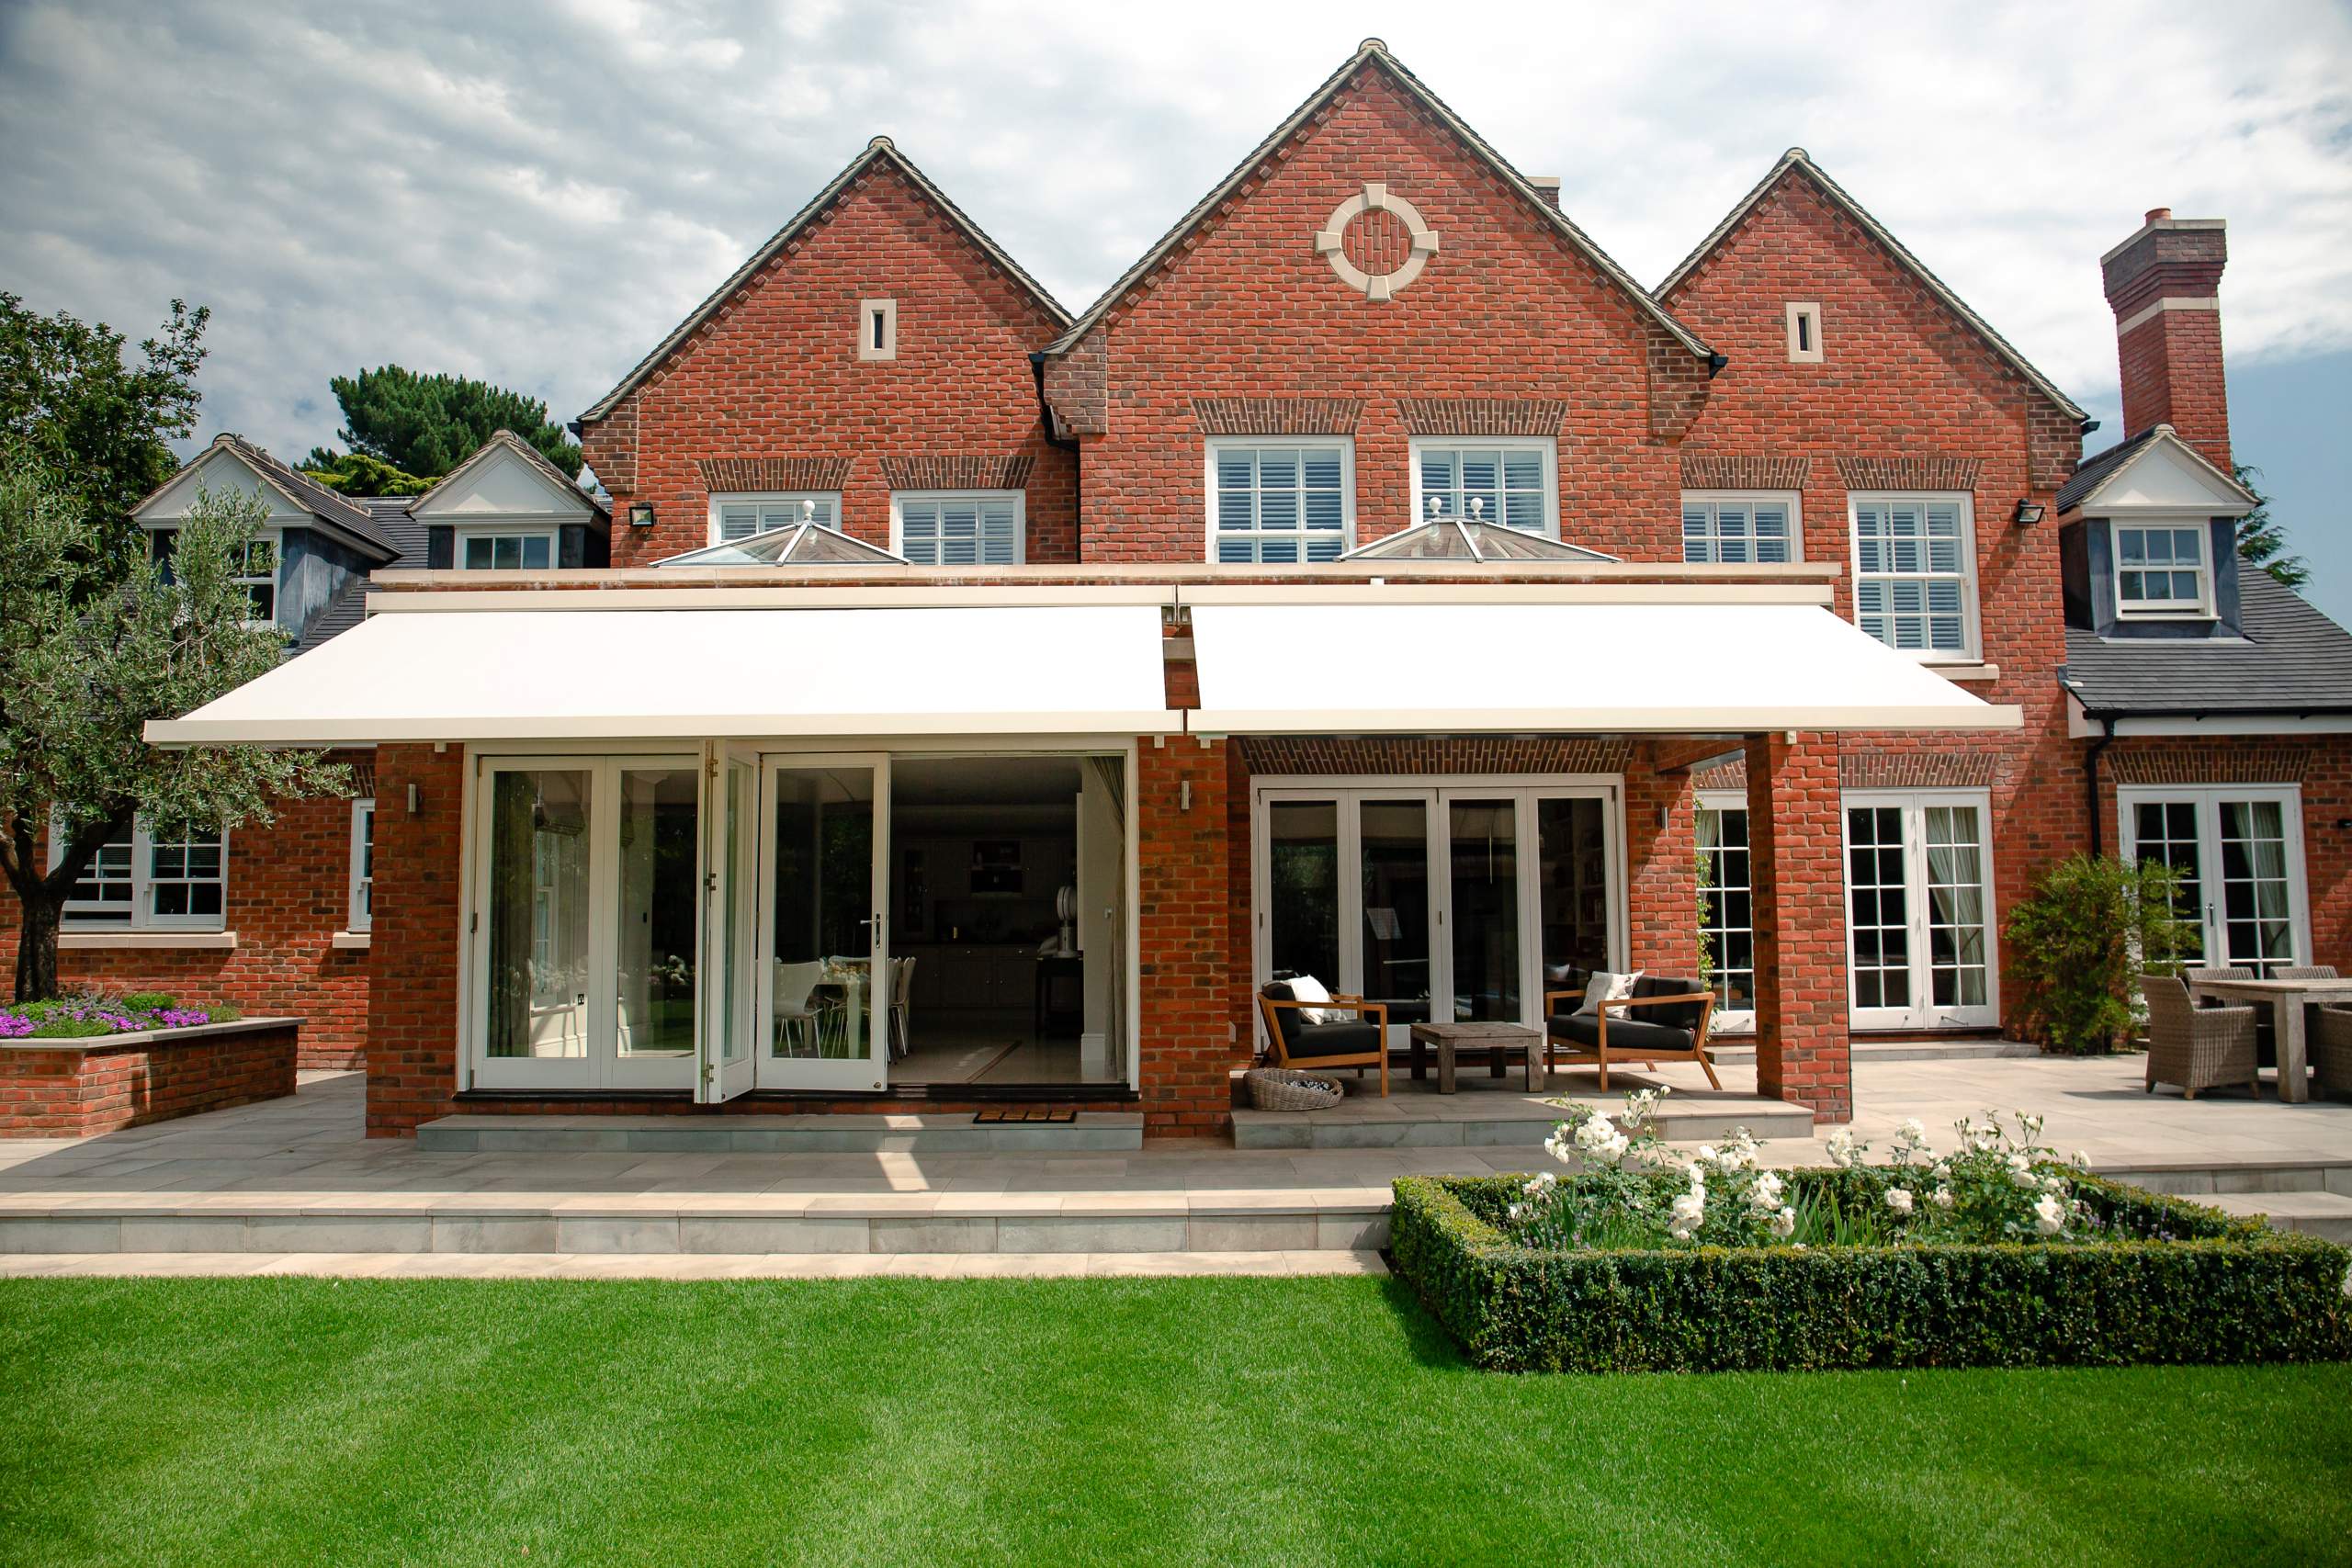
(281, 1185)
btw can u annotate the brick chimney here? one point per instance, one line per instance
(2163, 284)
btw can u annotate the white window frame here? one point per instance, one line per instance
(1020, 498)
(1972, 642)
(1727, 1019)
(1543, 445)
(466, 536)
(1809, 312)
(79, 915)
(767, 498)
(2213, 918)
(1217, 443)
(248, 580)
(871, 314)
(2163, 609)
(1717, 499)
(1921, 1011)
(361, 916)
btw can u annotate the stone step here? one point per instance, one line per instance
(1489, 1120)
(1302, 1220)
(2327, 1215)
(2188, 1178)
(692, 1265)
(1739, 1052)
(1093, 1132)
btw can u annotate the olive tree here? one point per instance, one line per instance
(94, 643)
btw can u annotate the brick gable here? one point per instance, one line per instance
(1509, 322)
(770, 386)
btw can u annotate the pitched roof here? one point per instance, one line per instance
(2094, 473)
(1797, 160)
(338, 513)
(881, 151)
(1373, 51)
(2292, 660)
(507, 441)
(349, 607)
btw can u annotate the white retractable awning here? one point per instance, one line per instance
(1370, 668)
(612, 673)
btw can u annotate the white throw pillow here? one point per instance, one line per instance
(1606, 988)
(1307, 989)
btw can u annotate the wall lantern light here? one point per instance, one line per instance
(640, 514)
(2028, 513)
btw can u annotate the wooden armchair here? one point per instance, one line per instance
(1681, 1012)
(1360, 1043)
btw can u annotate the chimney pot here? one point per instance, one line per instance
(2158, 214)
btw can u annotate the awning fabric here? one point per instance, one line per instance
(595, 674)
(1359, 669)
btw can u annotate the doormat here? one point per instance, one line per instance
(1026, 1113)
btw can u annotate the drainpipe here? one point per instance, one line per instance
(2090, 784)
(1044, 411)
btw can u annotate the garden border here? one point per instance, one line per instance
(2230, 1290)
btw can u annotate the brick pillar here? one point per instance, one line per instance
(1185, 936)
(1797, 860)
(412, 1005)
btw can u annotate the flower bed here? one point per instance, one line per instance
(94, 1016)
(1998, 1254)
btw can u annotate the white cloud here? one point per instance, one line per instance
(536, 193)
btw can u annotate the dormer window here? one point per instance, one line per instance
(2161, 571)
(257, 575)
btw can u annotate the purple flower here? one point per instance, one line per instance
(13, 1027)
(182, 1018)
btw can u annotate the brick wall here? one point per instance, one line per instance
(289, 892)
(77, 1087)
(413, 1013)
(1796, 865)
(775, 375)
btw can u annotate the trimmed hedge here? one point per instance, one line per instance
(2205, 1288)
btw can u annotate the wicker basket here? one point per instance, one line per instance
(1284, 1088)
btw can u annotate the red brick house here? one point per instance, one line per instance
(982, 702)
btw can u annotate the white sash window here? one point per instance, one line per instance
(962, 528)
(1281, 501)
(1915, 574)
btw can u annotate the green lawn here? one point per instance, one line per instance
(283, 1421)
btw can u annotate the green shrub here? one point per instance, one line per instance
(70, 1028)
(223, 1012)
(2077, 945)
(2198, 1287)
(147, 1002)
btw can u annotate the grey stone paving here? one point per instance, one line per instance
(679, 1266)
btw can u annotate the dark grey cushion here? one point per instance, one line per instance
(1673, 1015)
(1625, 1034)
(1332, 1039)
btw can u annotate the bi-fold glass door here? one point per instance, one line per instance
(2239, 852)
(588, 922)
(1448, 904)
(823, 973)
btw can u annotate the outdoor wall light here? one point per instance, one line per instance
(640, 514)
(2028, 513)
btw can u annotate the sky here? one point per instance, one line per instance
(535, 191)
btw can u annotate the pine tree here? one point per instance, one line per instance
(2262, 537)
(425, 425)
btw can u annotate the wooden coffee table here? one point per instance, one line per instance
(1497, 1040)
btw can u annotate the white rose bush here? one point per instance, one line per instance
(1630, 1188)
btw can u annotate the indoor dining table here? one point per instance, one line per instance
(2287, 1000)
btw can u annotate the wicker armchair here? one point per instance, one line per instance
(2330, 1050)
(2198, 1048)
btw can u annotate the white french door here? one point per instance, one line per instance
(822, 970)
(587, 922)
(1919, 909)
(1450, 902)
(729, 921)
(2239, 851)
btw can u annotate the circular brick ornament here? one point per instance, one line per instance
(1331, 242)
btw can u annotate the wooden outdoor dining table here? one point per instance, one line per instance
(2287, 998)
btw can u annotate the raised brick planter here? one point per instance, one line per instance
(70, 1088)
